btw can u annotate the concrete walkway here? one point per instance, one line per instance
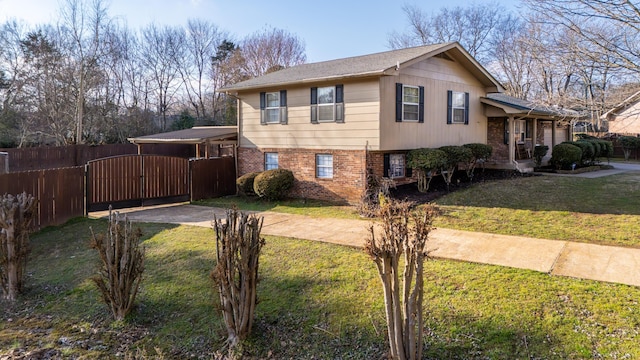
(579, 260)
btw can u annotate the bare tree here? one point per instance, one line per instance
(513, 58)
(81, 27)
(473, 27)
(159, 48)
(269, 50)
(403, 236)
(202, 38)
(609, 26)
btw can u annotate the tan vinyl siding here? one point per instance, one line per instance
(361, 125)
(437, 76)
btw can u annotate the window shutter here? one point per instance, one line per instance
(339, 103)
(421, 105)
(263, 104)
(386, 166)
(283, 107)
(314, 105)
(466, 108)
(408, 172)
(398, 102)
(449, 106)
(506, 130)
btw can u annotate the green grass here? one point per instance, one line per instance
(602, 210)
(317, 301)
(306, 207)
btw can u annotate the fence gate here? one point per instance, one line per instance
(136, 180)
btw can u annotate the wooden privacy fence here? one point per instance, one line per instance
(124, 181)
(212, 178)
(60, 192)
(136, 180)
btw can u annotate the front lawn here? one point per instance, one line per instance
(602, 210)
(317, 301)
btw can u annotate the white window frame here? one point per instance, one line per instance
(269, 163)
(331, 105)
(405, 102)
(397, 166)
(268, 108)
(324, 171)
(454, 107)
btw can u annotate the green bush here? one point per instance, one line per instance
(479, 154)
(609, 148)
(455, 156)
(539, 152)
(273, 184)
(588, 150)
(480, 151)
(245, 183)
(426, 159)
(629, 143)
(426, 162)
(564, 155)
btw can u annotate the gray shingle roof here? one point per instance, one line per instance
(365, 65)
(529, 106)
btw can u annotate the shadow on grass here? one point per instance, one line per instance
(61, 258)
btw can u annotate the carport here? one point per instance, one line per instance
(209, 141)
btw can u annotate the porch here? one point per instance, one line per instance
(516, 126)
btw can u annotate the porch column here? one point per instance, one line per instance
(534, 140)
(553, 133)
(512, 145)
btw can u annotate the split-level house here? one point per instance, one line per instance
(334, 122)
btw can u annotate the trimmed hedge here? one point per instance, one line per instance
(245, 183)
(588, 151)
(273, 184)
(564, 155)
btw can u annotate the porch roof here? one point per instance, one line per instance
(524, 108)
(195, 135)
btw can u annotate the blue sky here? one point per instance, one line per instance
(330, 29)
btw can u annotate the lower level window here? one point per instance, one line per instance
(270, 161)
(396, 165)
(324, 166)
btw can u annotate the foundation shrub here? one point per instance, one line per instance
(273, 184)
(245, 183)
(564, 155)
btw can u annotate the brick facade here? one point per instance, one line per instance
(495, 138)
(349, 171)
(347, 184)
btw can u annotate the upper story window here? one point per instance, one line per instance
(327, 104)
(409, 103)
(272, 110)
(273, 107)
(457, 107)
(270, 161)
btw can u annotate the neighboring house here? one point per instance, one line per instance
(334, 122)
(625, 118)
